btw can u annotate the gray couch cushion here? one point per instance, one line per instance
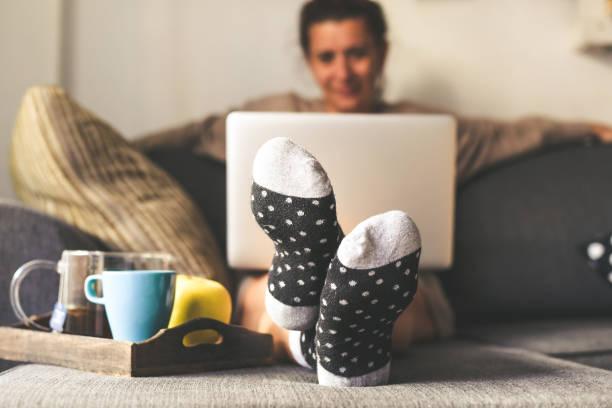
(600, 360)
(25, 235)
(555, 337)
(519, 232)
(457, 373)
(585, 341)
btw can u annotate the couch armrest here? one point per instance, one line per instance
(26, 234)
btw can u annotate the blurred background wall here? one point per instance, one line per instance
(30, 49)
(144, 65)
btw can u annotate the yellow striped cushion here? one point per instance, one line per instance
(68, 163)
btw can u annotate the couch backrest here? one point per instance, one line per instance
(519, 238)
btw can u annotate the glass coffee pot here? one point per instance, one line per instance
(72, 312)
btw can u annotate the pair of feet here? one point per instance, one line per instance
(339, 296)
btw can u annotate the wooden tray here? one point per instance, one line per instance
(162, 354)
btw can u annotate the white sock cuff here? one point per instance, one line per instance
(290, 317)
(295, 347)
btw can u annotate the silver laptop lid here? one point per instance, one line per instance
(376, 163)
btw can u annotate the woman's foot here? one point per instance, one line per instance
(370, 282)
(415, 324)
(294, 204)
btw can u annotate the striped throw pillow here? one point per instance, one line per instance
(69, 163)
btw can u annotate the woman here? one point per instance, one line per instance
(344, 44)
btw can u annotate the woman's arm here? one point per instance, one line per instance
(484, 142)
(603, 132)
(206, 137)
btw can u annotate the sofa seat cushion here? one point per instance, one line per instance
(555, 337)
(449, 373)
(586, 340)
(599, 359)
(67, 162)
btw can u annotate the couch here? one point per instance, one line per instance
(534, 319)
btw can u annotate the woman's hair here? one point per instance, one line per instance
(316, 11)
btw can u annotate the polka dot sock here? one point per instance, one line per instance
(599, 252)
(370, 281)
(293, 202)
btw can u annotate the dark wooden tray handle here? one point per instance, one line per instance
(233, 339)
(231, 334)
(239, 347)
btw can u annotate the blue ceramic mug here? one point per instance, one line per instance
(138, 303)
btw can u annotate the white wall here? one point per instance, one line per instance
(147, 64)
(30, 54)
(502, 58)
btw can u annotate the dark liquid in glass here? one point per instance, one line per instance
(87, 322)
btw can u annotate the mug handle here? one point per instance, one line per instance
(18, 277)
(90, 290)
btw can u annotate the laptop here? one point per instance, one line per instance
(376, 163)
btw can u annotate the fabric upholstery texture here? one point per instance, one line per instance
(520, 230)
(450, 373)
(600, 360)
(207, 190)
(555, 337)
(68, 163)
(26, 235)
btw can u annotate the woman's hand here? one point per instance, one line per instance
(604, 132)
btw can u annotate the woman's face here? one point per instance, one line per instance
(346, 63)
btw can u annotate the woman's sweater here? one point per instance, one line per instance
(480, 142)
